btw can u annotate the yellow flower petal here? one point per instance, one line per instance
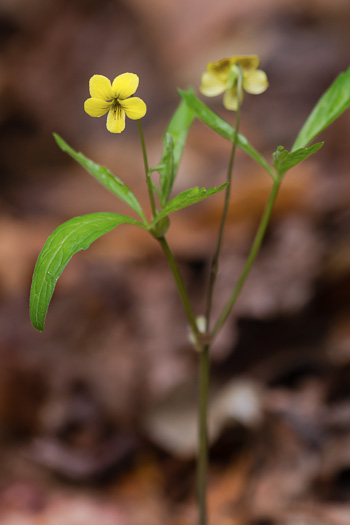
(211, 85)
(221, 68)
(100, 87)
(116, 120)
(230, 100)
(125, 85)
(95, 107)
(255, 82)
(247, 62)
(134, 107)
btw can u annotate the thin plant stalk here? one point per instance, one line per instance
(204, 361)
(215, 260)
(181, 289)
(202, 458)
(250, 260)
(167, 251)
(147, 172)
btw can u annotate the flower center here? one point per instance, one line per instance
(116, 108)
(115, 103)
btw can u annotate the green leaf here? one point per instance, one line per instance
(332, 104)
(284, 160)
(216, 123)
(187, 198)
(173, 145)
(167, 169)
(104, 177)
(70, 237)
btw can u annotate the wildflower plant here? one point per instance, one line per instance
(228, 76)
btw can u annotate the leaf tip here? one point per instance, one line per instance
(38, 325)
(184, 92)
(60, 142)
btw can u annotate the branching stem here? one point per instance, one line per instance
(204, 361)
(250, 260)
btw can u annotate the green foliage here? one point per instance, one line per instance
(78, 233)
(284, 160)
(330, 106)
(166, 170)
(219, 125)
(70, 237)
(104, 177)
(187, 198)
(160, 227)
(173, 144)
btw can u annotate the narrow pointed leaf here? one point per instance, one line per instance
(167, 170)
(70, 237)
(104, 177)
(187, 198)
(330, 106)
(173, 145)
(284, 160)
(216, 123)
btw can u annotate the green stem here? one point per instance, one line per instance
(147, 171)
(204, 363)
(202, 466)
(166, 249)
(251, 258)
(181, 288)
(215, 261)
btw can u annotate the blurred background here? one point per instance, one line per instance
(97, 414)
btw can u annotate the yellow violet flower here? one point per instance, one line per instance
(222, 77)
(114, 99)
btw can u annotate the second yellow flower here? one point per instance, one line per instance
(222, 77)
